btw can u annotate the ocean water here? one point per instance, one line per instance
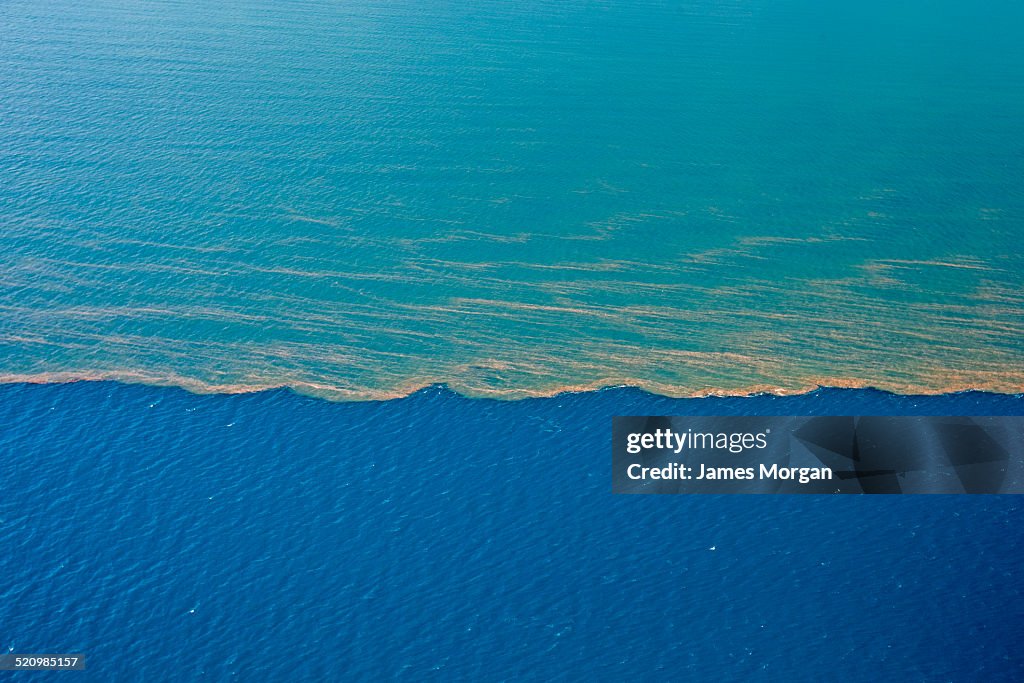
(275, 537)
(357, 199)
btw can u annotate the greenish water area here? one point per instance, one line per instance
(358, 199)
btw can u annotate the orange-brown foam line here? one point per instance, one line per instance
(1011, 385)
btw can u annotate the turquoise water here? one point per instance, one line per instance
(357, 199)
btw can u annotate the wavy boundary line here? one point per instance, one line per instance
(340, 394)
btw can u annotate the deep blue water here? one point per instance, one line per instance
(275, 537)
